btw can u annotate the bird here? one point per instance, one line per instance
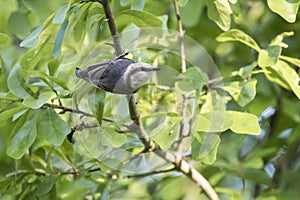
(120, 76)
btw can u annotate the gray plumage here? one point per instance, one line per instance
(122, 75)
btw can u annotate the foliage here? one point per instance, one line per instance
(245, 130)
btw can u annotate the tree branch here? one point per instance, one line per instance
(112, 27)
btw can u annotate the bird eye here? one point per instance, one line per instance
(144, 69)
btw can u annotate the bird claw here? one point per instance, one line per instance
(122, 55)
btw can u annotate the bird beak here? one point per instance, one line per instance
(155, 69)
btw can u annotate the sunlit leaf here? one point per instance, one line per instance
(278, 40)
(286, 9)
(242, 92)
(269, 56)
(220, 12)
(232, 193)
(238, 35)
(290, 75)
(214, 111)
(244, 123)
(165, 133)
(291, 60)
(245, 72)
(205, 149)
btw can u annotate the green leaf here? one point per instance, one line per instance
(254, 162)
(244, 123)
(206, 124)
(269, 57)
(4, 40)
(188, 18)
(205, 147)
(183, 3)
(215, 113)
(22, 136)
(39, 102)
(137, 4)
(75, 189)
(278, 40)
(273, 75)
(19, 114)
(19, 24)
(112, 139)
(32, 39)
(237, 35)
(5, 115)
(59, 39)
(140, 18)
(284, 75)
(289, 75)
(293, 61)
(97, 102)
(61, 14)
(242, 92)
(230, 192)
(17, 85)
(57, 129)
(244, 72)
(165, 133)
(195, 78)
(40, 8)
(220, 12)
(286, 9)
(78, 23)
(53, 65)
(124, 2)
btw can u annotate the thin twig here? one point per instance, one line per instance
(109, 175)
(181, 37)
(149, 173)
(183, 123)
(66, 109)
(125, 162)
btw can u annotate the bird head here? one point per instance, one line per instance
(137, 74)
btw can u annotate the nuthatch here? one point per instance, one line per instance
(121, 75)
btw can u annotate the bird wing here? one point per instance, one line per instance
(96, 72)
